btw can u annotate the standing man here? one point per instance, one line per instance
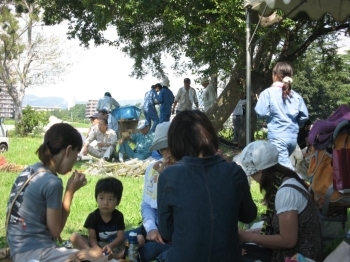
(209, 94)
(107, 102)
(185, 98)
(149, 108)
(112, 122)
(238, 114)
(106, 140)
(165, 99)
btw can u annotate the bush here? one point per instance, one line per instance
(32, 122)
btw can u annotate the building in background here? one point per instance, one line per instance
(7, 107)
(71, 102)
(91, 107)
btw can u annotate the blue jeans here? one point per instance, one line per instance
(125, 148)
(150, 250)
(285, 147)
(151, 115)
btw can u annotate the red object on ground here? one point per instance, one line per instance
(3, 161)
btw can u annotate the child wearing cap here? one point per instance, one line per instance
(151, 242)
(291, 223)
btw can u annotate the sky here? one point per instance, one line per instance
(100, 69)
(97, 70)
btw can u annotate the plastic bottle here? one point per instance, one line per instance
(133, 253)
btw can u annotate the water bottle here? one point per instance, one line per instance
(133, 253)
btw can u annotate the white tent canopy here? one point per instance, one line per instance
(339, 9)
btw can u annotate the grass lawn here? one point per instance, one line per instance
(22, 152)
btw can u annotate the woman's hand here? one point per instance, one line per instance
(245, 236)
(154, 235)
(76, 181)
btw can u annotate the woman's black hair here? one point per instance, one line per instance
(281, 70)
(58, 137)
(190, 134)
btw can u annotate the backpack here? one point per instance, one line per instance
(320, 172)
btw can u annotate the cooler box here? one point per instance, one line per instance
(126, 112)
(125, 125)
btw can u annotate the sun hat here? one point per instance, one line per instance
(165, 82)
(142, 124)
(258, 156)
(204, 80)
(108, 94)
(160, 140)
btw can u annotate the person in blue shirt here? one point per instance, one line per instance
(143, 141)
(149, 107)
(284, 110)
(165, 99)
(107, 102)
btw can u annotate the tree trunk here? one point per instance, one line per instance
(226, 102)
(17, 95)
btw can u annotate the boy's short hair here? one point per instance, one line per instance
(109, 185)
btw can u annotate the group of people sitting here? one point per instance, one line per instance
(192, 202)
(102, 139)
(193, 198)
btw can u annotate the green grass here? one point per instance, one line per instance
(22, 152)
(80, 125)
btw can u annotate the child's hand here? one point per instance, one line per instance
(107, 249)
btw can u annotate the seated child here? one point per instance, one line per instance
(106, 224)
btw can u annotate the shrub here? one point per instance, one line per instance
(31, 121)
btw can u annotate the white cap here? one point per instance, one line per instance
(165, 82)
(204, 80)
(142, 124)
(257, 156)
(160, 140)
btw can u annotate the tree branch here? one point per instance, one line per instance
(319, 32)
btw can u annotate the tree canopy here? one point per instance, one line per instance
(206, 37)
(27, 57)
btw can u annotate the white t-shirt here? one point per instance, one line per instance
(288, 198)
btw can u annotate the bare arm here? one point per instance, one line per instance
(92, 238)
(57, 218)
(287, 238)
(118, 240)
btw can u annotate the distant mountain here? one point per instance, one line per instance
(60, 102)
(33, 100)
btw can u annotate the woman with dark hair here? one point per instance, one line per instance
(36, 212)
(201, 197)
(284, 110)
(291, 223)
